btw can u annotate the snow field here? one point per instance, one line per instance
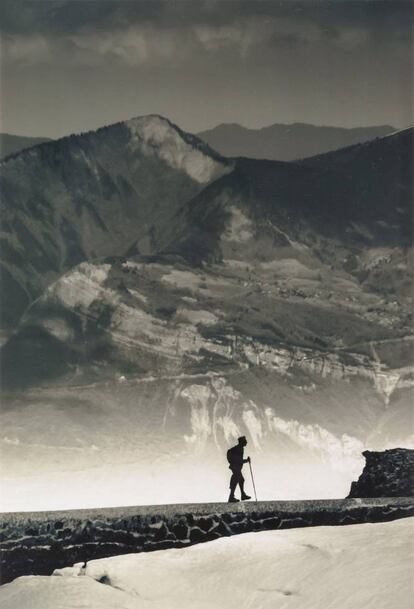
(365, 566)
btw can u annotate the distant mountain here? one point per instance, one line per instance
(286, 142)
(9, 144)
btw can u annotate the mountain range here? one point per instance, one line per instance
(281, 142)
(275, 142)
(162, 299)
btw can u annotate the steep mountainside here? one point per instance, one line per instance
(93, 195)
(286, 142)
(381, 176)
(10, 144)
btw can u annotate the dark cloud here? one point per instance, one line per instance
(54, 16)
(57, 17)
(147, 32)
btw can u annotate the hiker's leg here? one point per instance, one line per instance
(241, 483)
(243, 494)
(233, 483)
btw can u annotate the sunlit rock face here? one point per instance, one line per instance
(386, 474)
(155, 136)
(131, 375)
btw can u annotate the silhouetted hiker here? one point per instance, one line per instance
(236, 461)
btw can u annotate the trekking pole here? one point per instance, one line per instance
(251, 473)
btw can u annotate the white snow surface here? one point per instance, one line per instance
(365, 566)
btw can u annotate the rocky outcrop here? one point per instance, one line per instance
(328, 365)
(40, 542)
(388, 473)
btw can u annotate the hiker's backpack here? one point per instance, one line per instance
(230, 455)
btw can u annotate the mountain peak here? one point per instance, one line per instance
(155, 134)
(150, 121)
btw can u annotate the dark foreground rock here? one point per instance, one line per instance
(37, 543)
(388, 473)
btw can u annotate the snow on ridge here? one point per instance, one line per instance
(155, 135)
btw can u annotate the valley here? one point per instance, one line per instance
(209, 298)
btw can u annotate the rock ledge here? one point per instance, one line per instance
(389, 473)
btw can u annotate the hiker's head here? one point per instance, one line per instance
(242, 440)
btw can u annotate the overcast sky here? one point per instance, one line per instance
(70, 66)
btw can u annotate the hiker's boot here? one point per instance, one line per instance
(245, 497)
(232, 499)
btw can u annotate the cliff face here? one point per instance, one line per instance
(386, 474)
